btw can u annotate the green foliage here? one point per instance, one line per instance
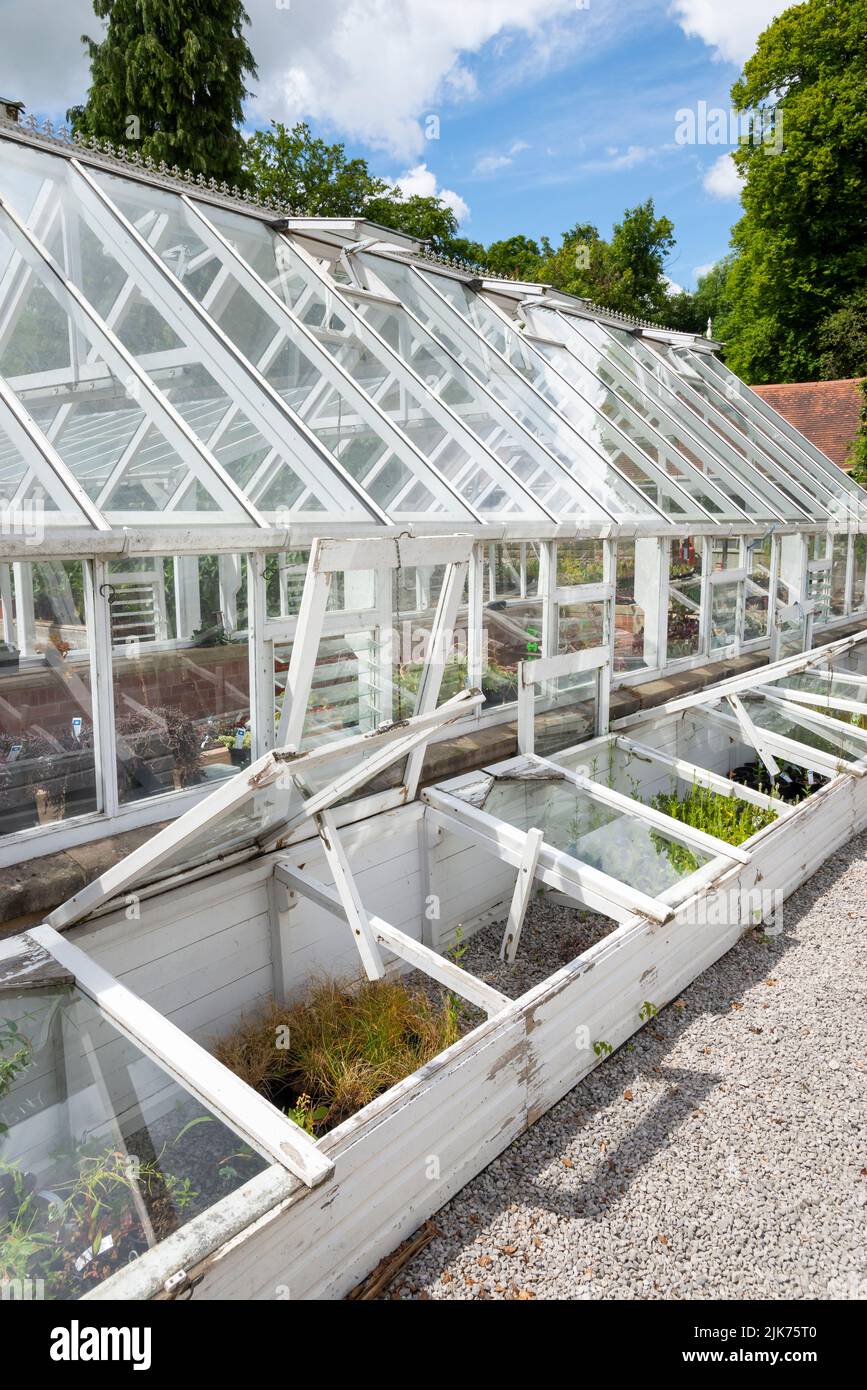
(625, 273)
(647, 1011)
(292, 165)
(727, 818)
(858, 452)
(168, 79)
(800, 246)
(843, 340)
(602, 1048)
(306, 1115)
(690, 312)
(15, 1054)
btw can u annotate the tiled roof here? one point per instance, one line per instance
(827, 412)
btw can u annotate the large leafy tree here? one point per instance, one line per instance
(169, 79)
(843, 339)
(291, 165)
(625, 273)
(709, 301)
(801, 244)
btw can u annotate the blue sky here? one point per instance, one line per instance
(549, 112)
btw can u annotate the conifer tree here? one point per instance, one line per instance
(168, 78)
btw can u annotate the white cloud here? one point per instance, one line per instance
(729, 27)
(490, 163)
(46, 66)
(621, 159)
(423, 181)
(373, 69)
(671, 286)
(700, 271)
(722, 179)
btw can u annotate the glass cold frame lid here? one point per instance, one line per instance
(102, 1153)
(765, 715)
(617, 843)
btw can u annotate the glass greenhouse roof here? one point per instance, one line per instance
(173, 356)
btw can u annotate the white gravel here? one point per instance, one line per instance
(720, 1154)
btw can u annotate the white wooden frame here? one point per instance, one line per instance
(273, 767)
(534, 673)
(221, 1090)
(382, 933)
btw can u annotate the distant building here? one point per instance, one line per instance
(11, 110)
(827, 412)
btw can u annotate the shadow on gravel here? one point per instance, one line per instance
(527, 1161)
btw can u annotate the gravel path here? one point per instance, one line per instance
(720, 1154)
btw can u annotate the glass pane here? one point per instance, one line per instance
(263, 332)
(724, 603)
(31, 497)
(579, 626)
(580, 562)
(138, 308)
(757, 590)
(621, 360)
(47, 769)
(807, 494)
(103, 1154)
(617, 843)
(766, 715)
(637, 597)
(839, 560)
(739, 405)
(459, 335)
(859, 583)
(104, 429)
(684, 598)
(512, 620)
(628, 431)
(180, 672)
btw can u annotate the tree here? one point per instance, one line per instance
(639, 247)
(842, 340)
(690, 312)
(168, 79)
(319, 180)
(858, 452)
(801, 245)
(627, 273)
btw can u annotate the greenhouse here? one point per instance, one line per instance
(368, 578)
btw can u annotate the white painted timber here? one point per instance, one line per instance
(223, 1092)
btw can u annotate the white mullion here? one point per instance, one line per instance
(706, 438)
(805, 478)
(302, 663)
(753, 451)
(239, 376)
(331, 369)
(406, 373)
(542, 409)
(655, 471)
(782, 693)
(42, 456)
(441, 642)
(123, 364)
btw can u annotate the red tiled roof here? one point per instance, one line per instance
(827, 412)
